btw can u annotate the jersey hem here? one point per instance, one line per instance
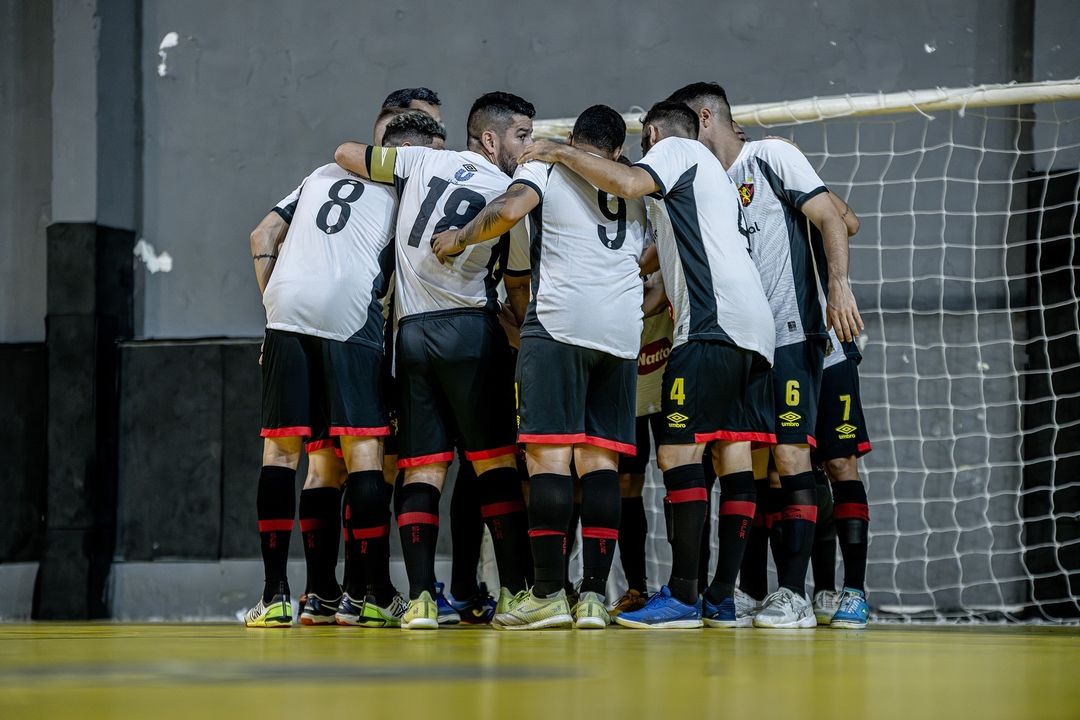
(324, 335)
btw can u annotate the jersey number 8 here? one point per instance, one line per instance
(322, 220)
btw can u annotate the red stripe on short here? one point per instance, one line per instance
(619, 447)
(736, 436)
(600, 533)
(298, 431)
(417, 518)
(738, 507)
(425, 460)
(308, 524)
(688, 495)
(370, 532)
(275, 525)
(551, 439)
(545, 533)
(849, 511)
(801, 512)
(317, 445)
(811, 441)
(864, 447)
(490, 454)
(501, 508)
(380, 431)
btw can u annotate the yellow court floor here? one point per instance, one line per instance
(200, 671)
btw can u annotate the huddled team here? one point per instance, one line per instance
(423, 302)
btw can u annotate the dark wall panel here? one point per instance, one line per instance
(242, 449)
(22, 475)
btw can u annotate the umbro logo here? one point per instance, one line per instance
(466, 172)
(677, 420)
(846, 431)
(790, 419)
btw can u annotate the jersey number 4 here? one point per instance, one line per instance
(322, 220)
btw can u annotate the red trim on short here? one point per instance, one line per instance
(490, 454)
(738, 507)
(811, 441)
(801, 512)
(417, 518)
(771, 519)
(370, 532)
(688, 495)
(551, 439)
(501, 508)
(317, 445)
(735, 436)
(381, 431)
(275, 525)
(298, 431)
(338, 454)
(864, 447)
(600, 533)
(545, 533)
(425, 460)
(850, 511)
(309, 524)
(619, 447)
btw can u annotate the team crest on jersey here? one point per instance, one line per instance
(746, 192)
(466, 172)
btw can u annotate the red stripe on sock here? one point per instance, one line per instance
(848, 511)
(688, 495)
(308, 524)
(801, 512)
(600, 533)
(370, 532)
(275, 525)
(545, 533)
(417, 518)
(502, 508)
(771, 519)
(738, 507)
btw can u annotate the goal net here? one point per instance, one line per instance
(966, 275)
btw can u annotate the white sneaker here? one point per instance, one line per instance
(746, 608)
(826, 603)
(785, 609)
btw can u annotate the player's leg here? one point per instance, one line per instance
(753, 573)
(320, 520)
(466, 535)
(571, 536)
(823, 557)
(633, 522)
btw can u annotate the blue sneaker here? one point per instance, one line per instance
(663, 612)
(447, 614)
(721, 615)
(476, 610)
(853, 612)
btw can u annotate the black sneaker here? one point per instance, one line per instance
(318, 611)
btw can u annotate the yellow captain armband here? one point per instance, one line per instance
(380, 162)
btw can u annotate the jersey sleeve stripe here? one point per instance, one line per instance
(805, 197)
(529, 184)
(287, 211)
(655, 177)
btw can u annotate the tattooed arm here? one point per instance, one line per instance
(501, 214)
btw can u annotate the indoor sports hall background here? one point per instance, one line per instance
(143, 139)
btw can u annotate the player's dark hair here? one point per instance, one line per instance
(602, 127)
(494, 111)
(404, 97)
(672, 119)
(698, 94)
(414, 127)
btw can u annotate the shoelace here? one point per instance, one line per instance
(849, 603)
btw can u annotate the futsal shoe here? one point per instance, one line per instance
(477, 610)
(721, 615)
(590, 612)
(377, 616)
(746, 608)
(826, 603)
(853, 612)
(662, 611)
(528, 612)
(785, 609)
(447, 614)
(505, 599)
(421, 614)
(274, 614)
(315, 610)
(350, 611)
(630, 601)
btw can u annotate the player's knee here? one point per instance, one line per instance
(282, 451)
(433, 474)
(842, 469)
(631, 485)
(672, 456)
(548, 459)
(362, 453)
(792, 459)
(588, 458)
(325, 469)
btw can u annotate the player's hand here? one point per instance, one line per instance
(447, 244)
(509, 325)
(842, 312)
(261, 352)
(542, 150)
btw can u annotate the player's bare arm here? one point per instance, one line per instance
(607, 175)
(354, 157)
(517, 295)
(266, 240)
(656, 300)
(650, 261)
(851, 220)
(842, 312)
(497, 218)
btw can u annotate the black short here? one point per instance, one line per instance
(455, 379)
(318, 388)
(796, 386)
(637, 463)
(841, 425)
(570, 395)
(715, 391)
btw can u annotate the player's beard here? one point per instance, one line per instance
(506, 161)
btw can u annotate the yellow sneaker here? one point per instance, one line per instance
(528, 612)
(590, 613)
(505, 598)
(632, 600)
(275, 614)
(421, 614)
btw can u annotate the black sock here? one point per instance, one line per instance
(466, 532)
(633, 531)
(600, 507)
(800, 516)
(368, 544)
(418, 525)
(706, 535)
(571, 541)
(738, 505)
(320, 516)
(684, 505)
(774, 521)
(503, 510)
(276, 506)
(823, 558)
(753, 574)
(551, 501)
(852, 516)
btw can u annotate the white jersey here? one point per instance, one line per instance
(774, 180)
(709, 276)
(440, 190)
(335, 265)
(586, 245)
